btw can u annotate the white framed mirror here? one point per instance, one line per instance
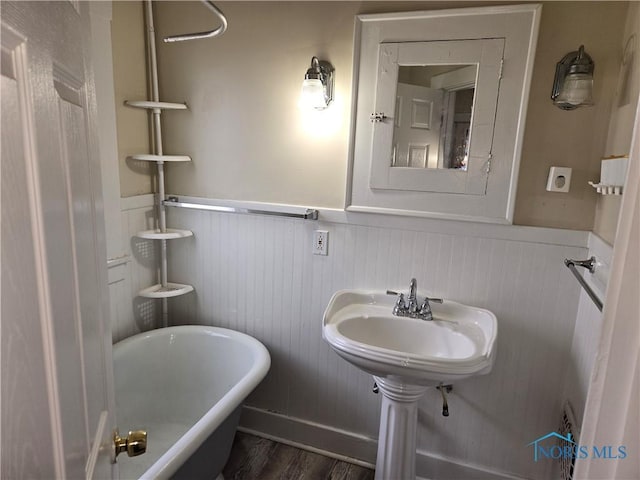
(439, 111)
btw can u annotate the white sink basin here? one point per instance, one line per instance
(458, 343)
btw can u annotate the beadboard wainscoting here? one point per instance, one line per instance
(588, 328)
(135, 270)
(257, 274)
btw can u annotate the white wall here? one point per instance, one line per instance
(250, 141)
(130, 82)
(622, 118)
(257, 275)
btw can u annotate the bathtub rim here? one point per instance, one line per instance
(168, 463)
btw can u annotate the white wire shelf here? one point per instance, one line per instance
(160, 158)
(171, 290)
(155, 105)
(170, 234)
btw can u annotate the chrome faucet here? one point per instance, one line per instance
(410, 308)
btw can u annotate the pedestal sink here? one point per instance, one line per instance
(406, 356)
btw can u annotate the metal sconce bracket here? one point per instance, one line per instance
(577, 62)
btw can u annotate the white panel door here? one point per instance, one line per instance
(57, 381)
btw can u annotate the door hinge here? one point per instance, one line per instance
(501, 68)
(377, 117)
(489, 162)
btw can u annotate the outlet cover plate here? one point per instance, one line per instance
(320, 242)
(559, 179)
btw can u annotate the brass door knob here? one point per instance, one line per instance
(135, 443)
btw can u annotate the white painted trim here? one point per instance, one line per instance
(603, 253)
(421, 214)
(117, 261)
(354, 448)
(454, 468)
(97, 443)
(137, 201)
(40, 256)
(102, 62)
(308, 448)
(518, 233)
(452, 12)
(118, 272)
(611, 412)
(524, 104)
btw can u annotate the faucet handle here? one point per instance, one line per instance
(425, 309)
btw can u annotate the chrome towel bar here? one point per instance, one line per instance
(590, 265)
(305, 214)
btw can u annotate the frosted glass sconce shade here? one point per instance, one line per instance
(576, 90)
(573, 83)
(313, 94)
(317, 86)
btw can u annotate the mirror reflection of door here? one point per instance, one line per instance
(434, 107)
(417, 127)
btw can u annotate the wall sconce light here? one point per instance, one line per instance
(317, 87)
(573, 83)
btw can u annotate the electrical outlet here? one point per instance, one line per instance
(320, 242)
(559, 179)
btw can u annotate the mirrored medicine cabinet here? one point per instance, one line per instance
(439, 111)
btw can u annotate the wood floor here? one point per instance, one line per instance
(255, 458)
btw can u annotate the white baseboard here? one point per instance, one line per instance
(354, 448)
(328, 441)
(437, 467)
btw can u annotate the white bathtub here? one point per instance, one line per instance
(185, 386)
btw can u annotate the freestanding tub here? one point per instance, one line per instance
(184, 386)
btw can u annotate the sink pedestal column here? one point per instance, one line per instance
(398, 426)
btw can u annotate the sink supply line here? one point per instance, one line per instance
(444, 389)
